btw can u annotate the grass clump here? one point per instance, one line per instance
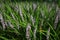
(28, 21)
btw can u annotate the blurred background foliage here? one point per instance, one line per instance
(17, 16)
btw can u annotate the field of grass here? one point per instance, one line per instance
(28, 21)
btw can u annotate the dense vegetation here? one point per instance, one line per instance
(24, 20)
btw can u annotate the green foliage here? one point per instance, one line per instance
(17, 23)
